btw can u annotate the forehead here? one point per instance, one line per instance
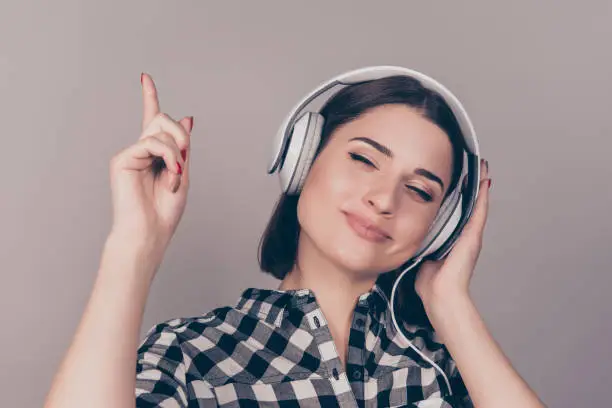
(411, 137)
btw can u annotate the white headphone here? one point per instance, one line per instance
(300, 133)
(298, 139)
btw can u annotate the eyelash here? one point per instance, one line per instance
(360, 158)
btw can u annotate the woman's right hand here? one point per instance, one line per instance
(149, 192)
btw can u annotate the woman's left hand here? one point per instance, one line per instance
(449, 278)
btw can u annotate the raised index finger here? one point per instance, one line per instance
(150, 102)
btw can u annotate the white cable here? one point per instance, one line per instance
(392, 307)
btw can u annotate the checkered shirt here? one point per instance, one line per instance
(274, 349)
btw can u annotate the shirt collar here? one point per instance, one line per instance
(271, 304)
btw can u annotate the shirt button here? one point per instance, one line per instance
(360, 322)
(357, 375)
(335, 373)
(317, 322)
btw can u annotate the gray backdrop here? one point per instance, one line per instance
(535, 78)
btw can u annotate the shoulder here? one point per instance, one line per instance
(425, 338)
(221, 345)
(431, 345)
(174, 359)
(190, 342)
(228, 330)
(186, 328)
(221, 331)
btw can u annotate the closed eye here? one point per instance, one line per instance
(420, 192)
(357, 157)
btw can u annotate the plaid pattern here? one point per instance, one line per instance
(274, 349)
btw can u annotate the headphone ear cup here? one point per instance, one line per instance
(290, 157)
(444, 224)
(310, 143)
(447, 230)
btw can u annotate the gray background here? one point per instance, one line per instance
(535, 78)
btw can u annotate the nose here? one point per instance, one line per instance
(382, 199)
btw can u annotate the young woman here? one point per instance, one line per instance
(390, 154)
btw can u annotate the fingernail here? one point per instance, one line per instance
(487, 164)
(190, 123)
(176, 186)
(141, 78)
(490, 182)
(184, 154)
(180, 170)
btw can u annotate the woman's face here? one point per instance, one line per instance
(378, 171)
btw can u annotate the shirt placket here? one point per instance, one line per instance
(330, 359)
(357, 350)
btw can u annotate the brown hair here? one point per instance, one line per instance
(279, 242)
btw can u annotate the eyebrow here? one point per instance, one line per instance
(387, 152)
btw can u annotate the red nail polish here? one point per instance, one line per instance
(141, 77)
(180, 170)
(184, 154)
(490, 181)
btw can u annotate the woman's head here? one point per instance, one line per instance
(390, 152)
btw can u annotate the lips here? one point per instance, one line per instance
(366, 229)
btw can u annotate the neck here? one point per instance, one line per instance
(336, 289)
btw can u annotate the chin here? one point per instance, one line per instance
(353, 262)
(353, 254)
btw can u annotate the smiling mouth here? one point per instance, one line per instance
(366, 230)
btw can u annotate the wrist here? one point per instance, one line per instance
(438, 296)
(445, 308)
(127, 256)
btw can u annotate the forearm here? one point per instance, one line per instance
(487, 373)
(99, 368)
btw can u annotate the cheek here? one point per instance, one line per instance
(320, 215)
(411, 231)
(331, 182)
(320, 199)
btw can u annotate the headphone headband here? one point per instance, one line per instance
(368, 74)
